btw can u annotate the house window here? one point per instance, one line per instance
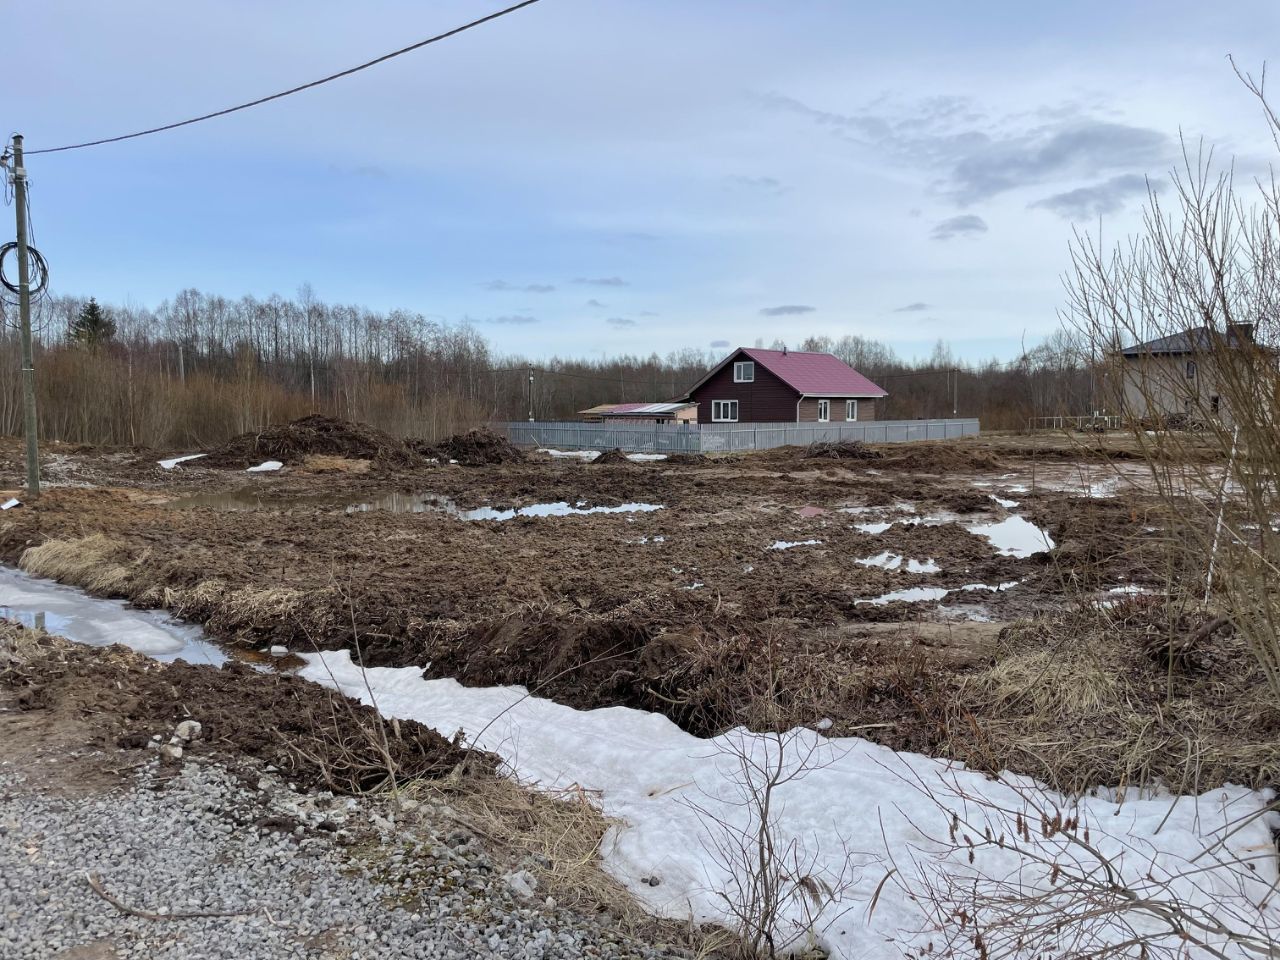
(724, 411)
(1191, 369)
(744, 371)
(824, 411)
(851, 410)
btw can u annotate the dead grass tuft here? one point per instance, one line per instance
(328, 463)
(1077, 700)
(95, 563)
(558, 836)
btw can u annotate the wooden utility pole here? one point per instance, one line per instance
(24, 316)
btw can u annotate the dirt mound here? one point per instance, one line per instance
(317, 736)
(476, 448)
(316, 435)
(612, 456)
(840, 450)
(687, 458)
(939, 456)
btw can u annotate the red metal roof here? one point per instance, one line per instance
(815, 374)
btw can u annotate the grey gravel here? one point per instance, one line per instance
(310, 875)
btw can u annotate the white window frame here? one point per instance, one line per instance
(719, 407)
(744, 371)
(824, 411)
(851, 410)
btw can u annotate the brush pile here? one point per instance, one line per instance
(840, 450)
(476, 448)
(294, 442)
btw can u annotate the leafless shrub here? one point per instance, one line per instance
(1016, 871)
(779, 892)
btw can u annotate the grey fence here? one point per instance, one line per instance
(723, 437)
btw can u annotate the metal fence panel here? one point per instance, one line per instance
(723, 437)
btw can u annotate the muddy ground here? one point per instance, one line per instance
(699, 609)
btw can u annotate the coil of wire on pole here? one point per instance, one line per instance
(39, 276)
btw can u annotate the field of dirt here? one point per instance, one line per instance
(870, 587)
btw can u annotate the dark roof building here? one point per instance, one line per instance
(784, 386)
(1195, 340)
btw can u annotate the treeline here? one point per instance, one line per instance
(200, 368)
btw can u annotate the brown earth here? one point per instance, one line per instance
(297, 440)
(317, 736)
(685, 610)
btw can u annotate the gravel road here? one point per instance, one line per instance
(297, 875)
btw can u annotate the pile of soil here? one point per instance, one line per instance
(687, 458)
(477, 448)
(840, 450)
(612, 456)
(939, 456)
(317, 736)
(294, 442)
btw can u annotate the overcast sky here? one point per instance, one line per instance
(587, 176)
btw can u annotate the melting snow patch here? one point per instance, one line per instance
(174, 461)
(873, 527)
(788, 544)
(1014, 536)
(909, 595)
(1007, 504)
(646, 456)
(676, 797)
(571, 454)
(265, 467)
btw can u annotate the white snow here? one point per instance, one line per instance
(571, 454)
(851, 807)
(893, 561)
(909, 595)
(559, 509)
(265, 467)
(592, 454)
(873, 527)
(174, 461)
(1014, 536)
(1007, 504)
(788, 544)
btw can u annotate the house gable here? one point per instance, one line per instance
(766, 399)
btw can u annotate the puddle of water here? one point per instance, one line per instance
(912, 594)
(900, 507)
(1014, 536)
(808, 512)
(416, 503)
(893, 561)
(100, 623)
(174, 461)
(788, 544)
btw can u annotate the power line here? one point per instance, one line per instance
(306, 86)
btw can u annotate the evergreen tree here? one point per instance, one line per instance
(92, 326)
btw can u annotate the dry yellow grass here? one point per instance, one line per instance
(558, 838)
(95, 563)
(324, 463)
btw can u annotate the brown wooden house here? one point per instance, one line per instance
(784, 386)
